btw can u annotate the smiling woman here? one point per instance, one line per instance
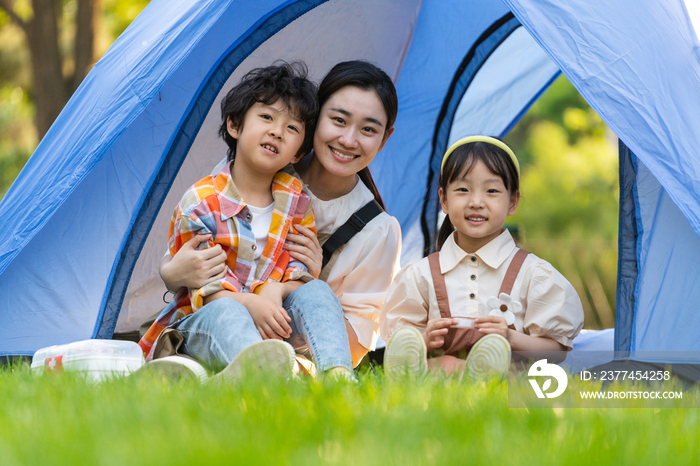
(352, 128)
(358, 108)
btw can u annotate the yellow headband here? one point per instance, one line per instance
(487, 139)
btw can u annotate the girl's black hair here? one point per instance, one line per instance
(462, 160)
(281, 80)
(368, 77)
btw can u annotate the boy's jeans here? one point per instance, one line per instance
(216, 333)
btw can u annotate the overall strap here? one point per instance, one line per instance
(439, 284)
(354, 225)
(512, 272)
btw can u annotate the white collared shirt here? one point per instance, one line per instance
(365, 267)
(551, 306)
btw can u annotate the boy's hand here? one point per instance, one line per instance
(305, 248)
(492, 324)
(270, 317)
(436, 330)
(278, 292)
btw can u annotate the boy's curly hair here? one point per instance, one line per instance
(281, 80)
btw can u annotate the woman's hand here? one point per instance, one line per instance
(193, 268)
(435, 332)
(305, 248)
(492, 324)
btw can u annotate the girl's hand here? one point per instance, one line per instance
(435, 332)
(492, 324)
(193, 268)
(305, 248)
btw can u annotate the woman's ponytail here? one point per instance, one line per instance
(366, 178)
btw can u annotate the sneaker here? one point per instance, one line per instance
(489, 357)
(405, 354)
(175, 368)
(273, 358)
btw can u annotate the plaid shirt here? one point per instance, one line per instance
(213, 205)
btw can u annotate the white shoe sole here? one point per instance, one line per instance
(405, 354)
(489, 357)
(176, 368)
(270, 358)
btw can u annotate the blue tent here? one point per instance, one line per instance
(84, 225)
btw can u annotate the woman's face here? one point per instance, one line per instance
(351, 130)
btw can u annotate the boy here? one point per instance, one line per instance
(248, 208)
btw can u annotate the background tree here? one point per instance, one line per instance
(55, 74)
(46, 49)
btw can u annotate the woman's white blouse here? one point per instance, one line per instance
(550, 306)
(367, 264)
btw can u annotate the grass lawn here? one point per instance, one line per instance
(62, 419)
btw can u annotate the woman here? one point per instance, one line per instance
(358, 108)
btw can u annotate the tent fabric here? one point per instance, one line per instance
(634, 62)
(664, 299)
(627, 268)
(496, 113)
(642, 77)
(85, 222)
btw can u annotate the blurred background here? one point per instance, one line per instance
(569, 205)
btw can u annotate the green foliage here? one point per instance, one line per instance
(61, 419)
(118, 14)
(17, 135)
(568, 212)
(570, 169)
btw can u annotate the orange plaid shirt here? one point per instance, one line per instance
(214, 205)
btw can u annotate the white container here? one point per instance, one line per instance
(464, 322)
(98, 359)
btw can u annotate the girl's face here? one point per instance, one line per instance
(478, 204)
(351, 130)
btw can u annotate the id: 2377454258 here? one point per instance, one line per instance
(624, 375)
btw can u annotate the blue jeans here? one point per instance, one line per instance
(216, 333)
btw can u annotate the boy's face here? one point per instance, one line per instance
(269, 137)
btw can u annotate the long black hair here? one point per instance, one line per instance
(366, 76)
(462, 160)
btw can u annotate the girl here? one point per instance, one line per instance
(358, 108)
(480, 295)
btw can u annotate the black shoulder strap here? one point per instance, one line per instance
(354, 225)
